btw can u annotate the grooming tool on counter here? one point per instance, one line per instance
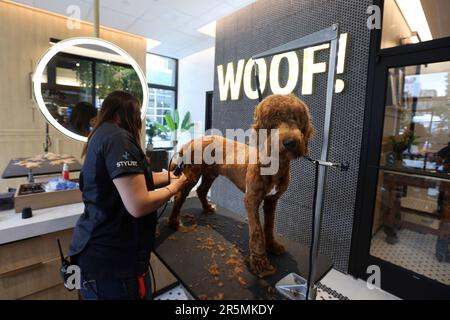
(30, 176)
(7, 199)
(27, 213)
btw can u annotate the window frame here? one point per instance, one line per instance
(165, 87)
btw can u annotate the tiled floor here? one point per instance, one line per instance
(354, 289)
(414, 251)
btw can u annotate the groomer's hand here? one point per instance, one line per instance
(172, 176)
(177, 183)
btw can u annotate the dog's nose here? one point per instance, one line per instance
(289, 144)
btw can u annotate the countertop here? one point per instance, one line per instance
(43, 221)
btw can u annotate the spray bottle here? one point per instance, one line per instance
(65, 171)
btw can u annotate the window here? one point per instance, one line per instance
(162, 82)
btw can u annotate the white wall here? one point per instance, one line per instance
(195, 78)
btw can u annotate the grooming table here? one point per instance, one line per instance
(209, 255)
(45, 167)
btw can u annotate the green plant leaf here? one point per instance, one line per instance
(170, 123)
(186, 123)
(161, 127)
(176, 119)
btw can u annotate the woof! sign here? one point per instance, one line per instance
(233, 80)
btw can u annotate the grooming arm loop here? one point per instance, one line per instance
(344, 166)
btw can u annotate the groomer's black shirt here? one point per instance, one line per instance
(108, 242)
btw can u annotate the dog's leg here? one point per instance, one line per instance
(272, 245)
(259, 262)
(202, 192)
(180, 197)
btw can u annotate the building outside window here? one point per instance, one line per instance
(162, 83)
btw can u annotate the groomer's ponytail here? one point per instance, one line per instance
(121, 107)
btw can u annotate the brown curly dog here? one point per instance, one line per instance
(291, 117)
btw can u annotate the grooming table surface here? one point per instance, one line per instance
(209, 255)
(45, 168)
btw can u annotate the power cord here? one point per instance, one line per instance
(178, 170)
(153, 279)
(316, 177)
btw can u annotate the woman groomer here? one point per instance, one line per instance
(113, 238)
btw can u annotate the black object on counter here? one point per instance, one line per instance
(7, 199)
(27, 213)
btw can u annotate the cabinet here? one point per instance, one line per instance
(29, 269)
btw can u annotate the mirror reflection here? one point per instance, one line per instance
(77, 80)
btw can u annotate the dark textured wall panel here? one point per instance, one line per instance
(269, 23)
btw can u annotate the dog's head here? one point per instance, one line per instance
(291, 117)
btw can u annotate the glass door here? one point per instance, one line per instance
(402, 215)
(404, 226)
(411, 216)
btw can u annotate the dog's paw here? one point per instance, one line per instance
(211, 208)
(261, 266)
(173, 223)
(275, 248)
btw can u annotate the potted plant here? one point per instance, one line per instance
(151, 131)
(402, 142)
(174, 126)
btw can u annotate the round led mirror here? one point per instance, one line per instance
(75, 75)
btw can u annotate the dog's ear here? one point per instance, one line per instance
(257, 117)
(304, 116)
(309, 131)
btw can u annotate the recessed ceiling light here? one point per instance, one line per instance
(152, 44)
(209, 29)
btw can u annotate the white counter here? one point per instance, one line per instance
(43, 221)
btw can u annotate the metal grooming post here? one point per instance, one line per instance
(293, 286)
(97, 18)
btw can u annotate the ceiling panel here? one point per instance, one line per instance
(239, 3)
(193, 8)
(114, 19)
(173, 22)
(60, 6)
(133, 8)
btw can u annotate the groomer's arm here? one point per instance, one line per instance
(140, 202)
(161, 179)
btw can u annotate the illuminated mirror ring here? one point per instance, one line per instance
(59, 47)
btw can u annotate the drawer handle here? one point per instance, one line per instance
(21, 270)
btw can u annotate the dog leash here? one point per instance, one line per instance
(258, 85)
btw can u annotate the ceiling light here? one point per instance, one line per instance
(209, 29)
(414, 15)
(152, 44)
